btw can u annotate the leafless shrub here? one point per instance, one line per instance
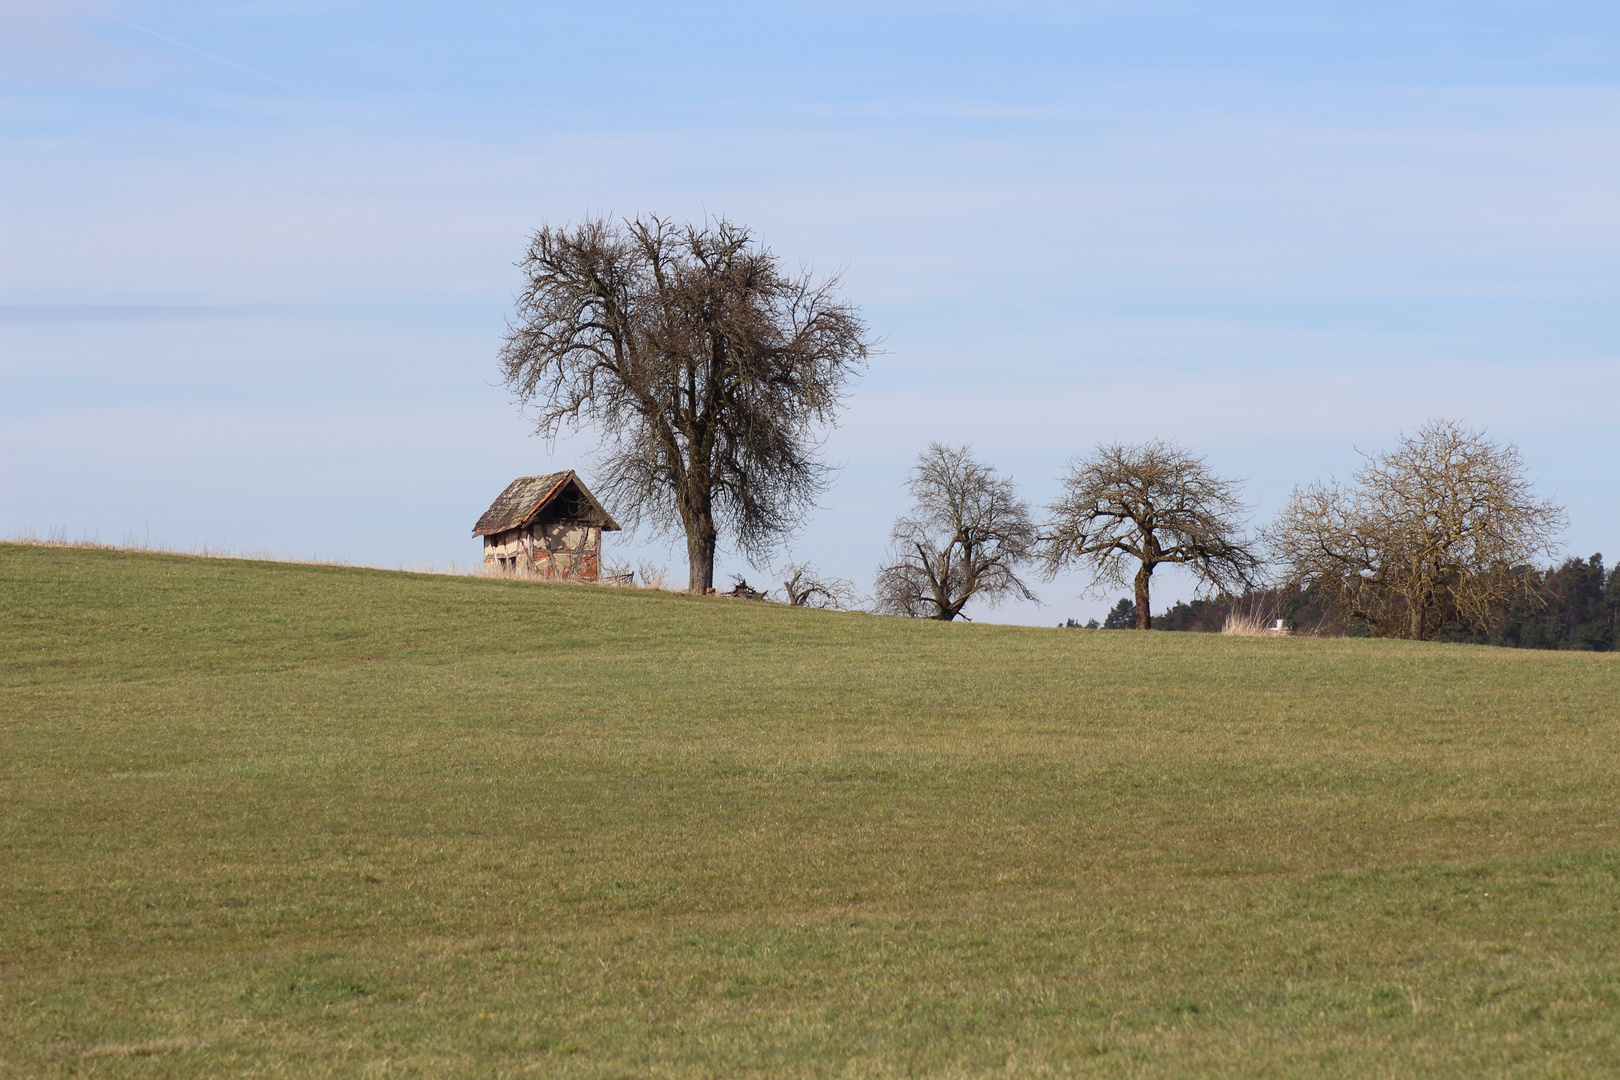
(651, 574)
(804, 585)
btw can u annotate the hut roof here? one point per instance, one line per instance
(528, 495)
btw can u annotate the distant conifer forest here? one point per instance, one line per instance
(1574, 606)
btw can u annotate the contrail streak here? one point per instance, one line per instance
(211, 56)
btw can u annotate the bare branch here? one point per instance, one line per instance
(803, 585)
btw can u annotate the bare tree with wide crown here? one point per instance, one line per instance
(1431, 535)
(1127, 510)
(707, 368)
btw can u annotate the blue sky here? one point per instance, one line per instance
(257, 256)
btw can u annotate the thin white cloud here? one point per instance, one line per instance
(212, 56)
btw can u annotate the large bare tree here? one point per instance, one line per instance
(707, 368)
(1429, 536)
(1127, 510)
(963, 540)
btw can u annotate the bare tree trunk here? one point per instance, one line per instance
(701, 537)
(1144, 620)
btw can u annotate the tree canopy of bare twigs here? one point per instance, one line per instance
(804, 585)
(1429, 535)
(964, 539)
(706, 367)
(1126, 510)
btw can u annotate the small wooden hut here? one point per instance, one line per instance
(546, 527)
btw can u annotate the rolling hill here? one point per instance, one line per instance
(273, 819)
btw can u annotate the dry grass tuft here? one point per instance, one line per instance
(58, 538)
(1249, 624)
(149, 1048)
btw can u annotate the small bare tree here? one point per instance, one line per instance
(705, 366)
(804, 585)
(1135, 508)
(963, 540)
(1429, 536)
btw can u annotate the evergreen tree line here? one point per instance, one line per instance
(1573, 606)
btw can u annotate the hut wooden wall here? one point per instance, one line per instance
(549, 551)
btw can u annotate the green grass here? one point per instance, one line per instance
(265, 819)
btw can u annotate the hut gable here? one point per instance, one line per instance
(525, 498)
(547, 526)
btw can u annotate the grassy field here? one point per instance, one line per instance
(266, 819)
